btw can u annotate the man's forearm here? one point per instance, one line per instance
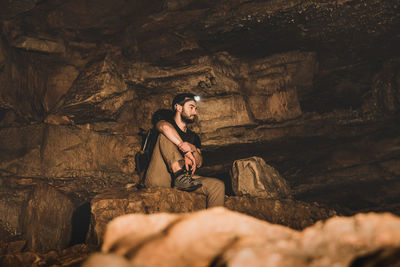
(169, 131)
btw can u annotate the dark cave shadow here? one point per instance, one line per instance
(80, 224)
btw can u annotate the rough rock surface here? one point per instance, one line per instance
(75, 159)
(291, 213)
(226, 238)
(106, 206)
(13, 200)
(253, 177)
(47, 220)
(72, 256)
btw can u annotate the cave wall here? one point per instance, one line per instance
(79, 79)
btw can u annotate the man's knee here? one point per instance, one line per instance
(165, 142)
(170, 153)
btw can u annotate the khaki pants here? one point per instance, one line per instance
(159, 172)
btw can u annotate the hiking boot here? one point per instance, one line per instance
(185, 182)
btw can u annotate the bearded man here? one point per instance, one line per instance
(177, 155)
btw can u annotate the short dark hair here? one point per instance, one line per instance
(162, 115)
(181, 99)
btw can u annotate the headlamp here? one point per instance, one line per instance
(181, 99)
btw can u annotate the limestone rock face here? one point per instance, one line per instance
(226, 238)
(223, 111)
(67, 151)
(64, 151)
(97, 94)
(78, 161)
(58, 85)
(253, 177)
(273, 85)
(47, 218)
(118, 202)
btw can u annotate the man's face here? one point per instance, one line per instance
(189, 111)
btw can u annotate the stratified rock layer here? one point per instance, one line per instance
(72, 157)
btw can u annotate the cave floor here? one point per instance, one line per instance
(351, 173)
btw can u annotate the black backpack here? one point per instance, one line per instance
(143, 157)
(149, 140)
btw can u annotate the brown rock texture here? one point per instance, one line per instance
(72, 256)
(71, 157)
(226, 238)
(47, 220)
(106, 206)
(13, 200)
(291, 213)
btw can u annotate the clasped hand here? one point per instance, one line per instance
(188, 149)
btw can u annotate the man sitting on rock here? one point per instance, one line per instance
(177, 154)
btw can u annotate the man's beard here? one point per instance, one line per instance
(187, 119)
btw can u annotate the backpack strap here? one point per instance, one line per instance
(143, 157)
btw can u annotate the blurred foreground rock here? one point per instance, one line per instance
(118, 202)
(220, 237)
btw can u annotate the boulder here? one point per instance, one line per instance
(116, 202)
(253, 177)
(220, 237)
(47, 219)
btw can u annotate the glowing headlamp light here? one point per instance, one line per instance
(196, 98)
